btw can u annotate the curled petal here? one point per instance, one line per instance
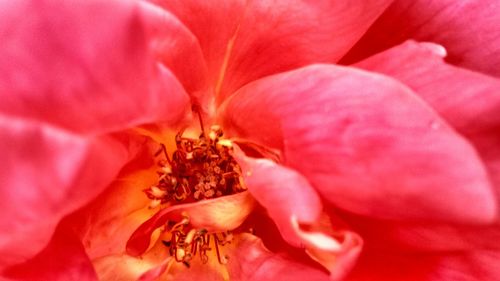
(214, 215)
(338, 253)
(84, 66)
(293, 203)
(250, 260)
(47, 173)
(366, 143)
(282, 191)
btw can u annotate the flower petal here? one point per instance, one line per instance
(47, 173)
(252, 261)
(64, 258)
(464, 266)
(116, 213)
(246, 40)
(282, 191)
(407, 237)
(366, 143)
(293, 203)
(175, 46)
(214, 215)
(468, 30)
(469, 101)
(83, 65)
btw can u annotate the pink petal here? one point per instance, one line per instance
(468, 30)
(283, 192)
(469, 101)
(463, 266)
(175, 46)
(250, 260)
(84, 66)
(64, 258)
(407, 237)
(366, 143)
(246, 40)
(47, 173)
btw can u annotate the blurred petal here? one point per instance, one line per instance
(47, 173)
(63, 259)
(463, 266)
(84, 66)
(366, 143)
(469, 30)
(403, 237)
(246, 40)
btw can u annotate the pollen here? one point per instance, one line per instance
(198, 169)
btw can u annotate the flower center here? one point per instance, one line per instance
(199, 169)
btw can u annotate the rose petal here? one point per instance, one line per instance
(282, 191)
(468, 30)
(45, 174)
(214, 215)
(63, 259)
(116, 213)
(290, 199)
(126, 268)
(366, 143)
(469, 101)
(246, 40)
(250, 260)
(337, 253)
(175, 46)
(463, 266)
(84, 66)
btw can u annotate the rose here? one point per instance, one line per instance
(74, 134)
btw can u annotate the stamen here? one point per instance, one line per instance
(200, 169)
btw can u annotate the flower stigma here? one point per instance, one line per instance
(199, 169)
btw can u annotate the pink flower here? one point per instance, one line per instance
(385, 168)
